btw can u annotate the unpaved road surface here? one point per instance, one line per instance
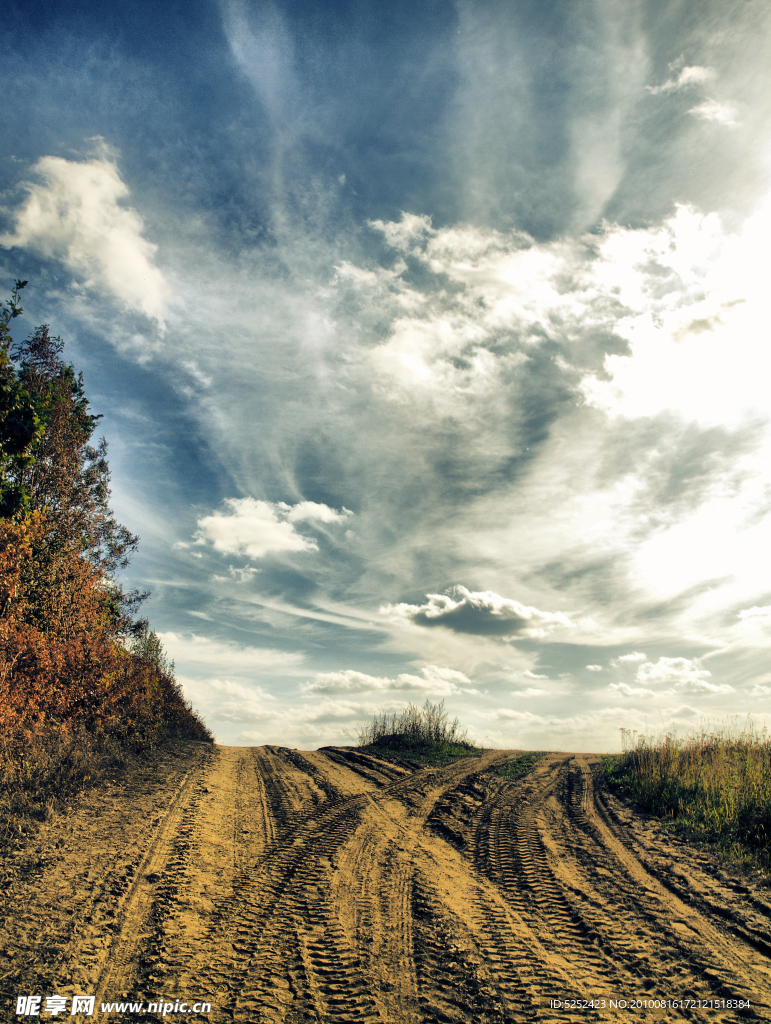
(330, 886)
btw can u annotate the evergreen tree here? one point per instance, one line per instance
(48, 465)
(20, 426)
(68, 481)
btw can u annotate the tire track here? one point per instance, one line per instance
(293, 887)
(115, 977)
(729, 968)
(254, 925)
(513, 846)
(262, 919)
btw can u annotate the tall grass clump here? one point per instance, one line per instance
(716, 785)
(423, 734)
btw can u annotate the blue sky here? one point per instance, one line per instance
(431, 342)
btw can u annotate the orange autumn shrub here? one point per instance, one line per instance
(54, 642)
(61, 660)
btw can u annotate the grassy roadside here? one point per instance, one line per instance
(45, 769)
(714, 786)
(48, 772)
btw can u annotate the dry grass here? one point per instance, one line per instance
(45, 769)
(714, 784)
(421, 734)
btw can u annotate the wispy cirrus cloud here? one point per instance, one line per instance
(688, 76)
(708, 110)
(202, 652)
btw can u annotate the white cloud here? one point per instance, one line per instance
(681, 294)
(243, 575)
(440, 348)
(691, 293)
(432, 679)
(630, 658)
(520, 716)
(75, 214)
(594, 668)
(759, 690)
(631, 691)
(256, 528)
(712, 110)
(305, 510)
(531, 691)
(405, 234)
(688, 297)
(756, 619)
(681, 673)
(688, 76)
(224, 700)
(481, 613)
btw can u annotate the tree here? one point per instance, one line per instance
(48, 465)
(20, 426)
(72, 655)
(68, 481)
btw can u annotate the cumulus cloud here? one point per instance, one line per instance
(677, 293)
(481, 613)
(594, 668)
(445, 343)
(682, 674)
(432, 679)
(230, 702)
(406, 234)
(628, 659)
(531, 691)
(305, 510)
(243, 575)
(76, 213)
(257, 528)
(689, 290)
(631, 691)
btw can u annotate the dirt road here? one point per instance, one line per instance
(328, 886)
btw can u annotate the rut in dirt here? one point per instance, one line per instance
(333, 886)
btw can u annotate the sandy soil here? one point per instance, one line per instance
(292, 886)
